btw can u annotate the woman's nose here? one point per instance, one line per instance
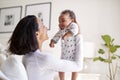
(44, 26)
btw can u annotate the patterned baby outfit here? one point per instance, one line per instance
(70, 50)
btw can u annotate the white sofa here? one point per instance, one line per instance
(12, 68)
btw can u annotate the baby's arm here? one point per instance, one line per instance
(62, 65)
(72, 30)
(66, 35)
(55, 39)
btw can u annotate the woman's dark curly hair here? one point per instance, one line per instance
(23, 39)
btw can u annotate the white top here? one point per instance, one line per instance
(42, 66)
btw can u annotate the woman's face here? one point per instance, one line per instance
(42, 32)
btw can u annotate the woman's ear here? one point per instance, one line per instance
(37, 34)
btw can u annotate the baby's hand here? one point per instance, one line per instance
(51, 44)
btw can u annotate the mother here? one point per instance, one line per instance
(27, 40)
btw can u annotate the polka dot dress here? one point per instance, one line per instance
(68, 49)
(69, 45)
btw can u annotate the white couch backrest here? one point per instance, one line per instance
(2, 58)
(13, 68)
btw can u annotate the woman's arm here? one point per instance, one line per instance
(56, 64)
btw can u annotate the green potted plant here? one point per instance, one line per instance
(109, 50)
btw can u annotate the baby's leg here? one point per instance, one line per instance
(74, 75)
(61, 75)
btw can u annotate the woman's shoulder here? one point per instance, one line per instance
(39, 56)
(37, 53)
(44, 55)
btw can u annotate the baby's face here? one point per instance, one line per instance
(64, 21)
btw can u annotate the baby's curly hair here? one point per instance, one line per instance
(71, 14)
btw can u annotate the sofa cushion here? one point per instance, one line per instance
(2, 58)
(13, 68)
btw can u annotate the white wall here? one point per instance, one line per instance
(96, 17)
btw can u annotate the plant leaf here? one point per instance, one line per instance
(95, 58)
(112, 40)
(108, 60)
(117, 46)
(102, 59)
(118, 56)
(101, 51)
(107, 39)
(113, 57)
(98, 58)
(113, 49)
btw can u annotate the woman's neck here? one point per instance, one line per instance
(40, 46)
